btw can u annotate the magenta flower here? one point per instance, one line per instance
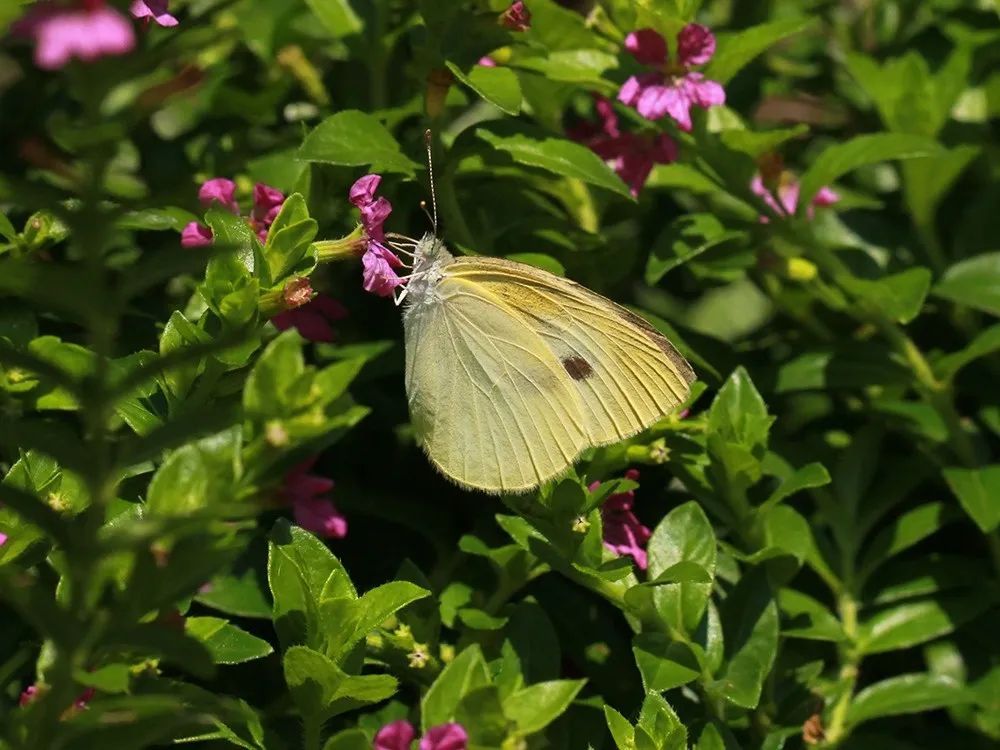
(487, 62)
(399, 735)
(445, 737)
(152, 10)
(86, 30)
(786, 201)
(195, 235)
(312, 320)
(311, 508)
(219, 190)
(267, 202)
(3, 539)
(631, 155)
(378, 262)
(517, 17)
(27, 695)
(672, 88)
(395, 736)
(624, 534)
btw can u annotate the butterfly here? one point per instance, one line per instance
(512, 372)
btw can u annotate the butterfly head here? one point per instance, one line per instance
(428, 257)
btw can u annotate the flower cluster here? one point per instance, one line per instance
(312, 509)
(86, 29)
(783, 198)
(399, 735)
(671, 88)
(631, 155)
(516, 17)
(378, 261)
(624, 534)
(267, 203)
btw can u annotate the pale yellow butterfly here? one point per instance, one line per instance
(511, 371)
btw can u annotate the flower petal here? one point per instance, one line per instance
(445, 737)
(377, 274)
(395, 736)
(195, 235)
(647, 46)
(219, 190)
(320, 516)
(153, 9)
(703, 92)
(267, 202)
(363, 190)
(695, 45)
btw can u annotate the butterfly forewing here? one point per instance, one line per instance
(491, 405)
(625, 372)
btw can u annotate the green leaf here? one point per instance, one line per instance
(301, 572)
(288, 238)
(321, 689)
(913, 623)
(985, 343)
(570, 65)
(750, 624)
(482, 712)
(908, 529)
(621, 729)
(7, 230)
(804, 617)
(195, 476)
(349, 739)
(536, 706)
(837, 160)
(664, 663)
(465, 673)
(352, 138)
(279, 367)
(974, 282)
(805, 477)
(684, 535)
(738, 414)
(239, 595)
(661, 724)
(710, 739)
(756, 144)
(110, 678)
(227, 643)
(906, 694)
(364, 614)
(978, 490)
(180, 333)
(898, 296)
(558, 156)
(337, 17)
(685, 239)
(737, 49)
(499, 86)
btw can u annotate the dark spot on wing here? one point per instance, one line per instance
(577, 367)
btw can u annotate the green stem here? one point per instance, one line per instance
(312, 733)
(850, 662)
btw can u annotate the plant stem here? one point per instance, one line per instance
(850, 662)
(312, 733)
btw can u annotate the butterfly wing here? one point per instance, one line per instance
(626, 373)
(490, 404)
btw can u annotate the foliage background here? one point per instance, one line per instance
(825, 548)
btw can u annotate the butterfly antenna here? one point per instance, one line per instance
(428, 141)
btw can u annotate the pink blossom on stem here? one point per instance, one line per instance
(311, 508)
(152, 10)
(398, 735)
(785, 200)
(219, 190)
(378, 262)
(445, 737)
(631, 155)
(195, 235)
(672, 88)
(86, 30)
(624, 534)
(517, 17)
(312, 320)
(267, 202)
(3, 539)
(27, 695)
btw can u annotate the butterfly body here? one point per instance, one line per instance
(511, 372)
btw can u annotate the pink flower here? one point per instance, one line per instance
(517, 17)
(219, 190)
(399, 734)
(195, 235)
(312, 510)
(787, 201)
(87, 30)
(312, 320)
(27, 695)
(623, 532)
(155, 10)
(631, 155)
(378, 260)
(3, 539)
(445, 737)
(487, 62)
(395, 736)
(267, 202)
(672, 88)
